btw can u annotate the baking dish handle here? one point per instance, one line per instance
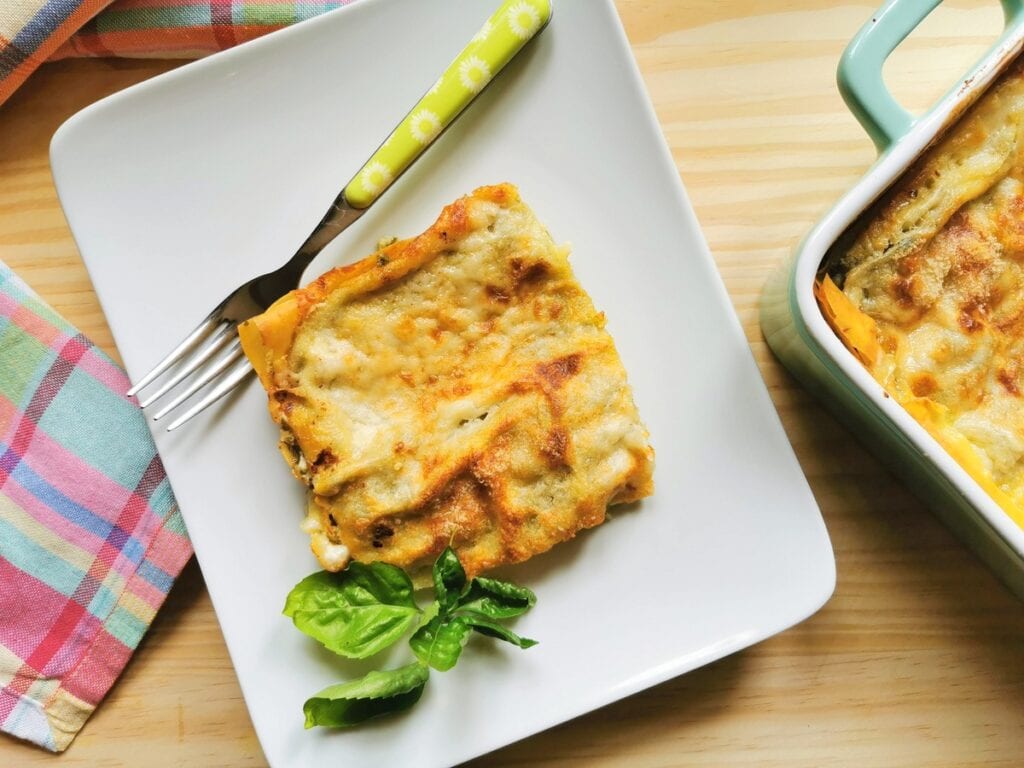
(860, 68)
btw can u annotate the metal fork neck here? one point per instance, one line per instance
(337, 219)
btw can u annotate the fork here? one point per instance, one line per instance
(216, 362)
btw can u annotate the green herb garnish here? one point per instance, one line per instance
(367, 607)
(378, 693)
(357, 612)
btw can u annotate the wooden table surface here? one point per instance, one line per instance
(918, 658)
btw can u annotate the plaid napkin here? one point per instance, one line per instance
(33, 31)
(90, 536)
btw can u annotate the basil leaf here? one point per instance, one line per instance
(497, 599)
(449, 579)
(429, 614)
(355, 613)
(487, 627)
(378, 693)
(439, 642)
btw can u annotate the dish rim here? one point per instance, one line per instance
(853, 205)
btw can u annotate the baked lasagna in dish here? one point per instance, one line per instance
(929, 292)
(456, 388)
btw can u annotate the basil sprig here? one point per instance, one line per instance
(367, 607)
(464, 606)
(357, 612)
(377, 693)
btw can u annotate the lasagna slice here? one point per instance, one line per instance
(929, 292)
(457, 388)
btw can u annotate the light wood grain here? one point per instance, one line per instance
(918, 659)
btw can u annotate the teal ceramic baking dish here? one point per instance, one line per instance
(798, 333)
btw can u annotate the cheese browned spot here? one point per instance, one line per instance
(454, 388)
(932, 297)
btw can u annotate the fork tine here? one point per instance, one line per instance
(227, 382)
(233, 352)
(222, 336)
(189, 342)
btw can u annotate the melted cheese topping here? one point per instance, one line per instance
(932, 298)
(456, 388)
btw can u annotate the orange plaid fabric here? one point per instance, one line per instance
(35, 31)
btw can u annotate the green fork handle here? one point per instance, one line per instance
(860, 69)
(503, 35)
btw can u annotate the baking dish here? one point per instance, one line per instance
(798, 333)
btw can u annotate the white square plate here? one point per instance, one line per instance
(180, 188)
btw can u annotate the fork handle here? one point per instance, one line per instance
(498, 41)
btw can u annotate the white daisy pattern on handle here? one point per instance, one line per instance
(474, 74)
(484, 32)
(523, 20)
(375, 177)
(424, 125)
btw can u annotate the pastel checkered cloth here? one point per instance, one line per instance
(34, 31)
(90, 536)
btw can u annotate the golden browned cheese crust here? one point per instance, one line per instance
(455, 388)
(937, 280)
